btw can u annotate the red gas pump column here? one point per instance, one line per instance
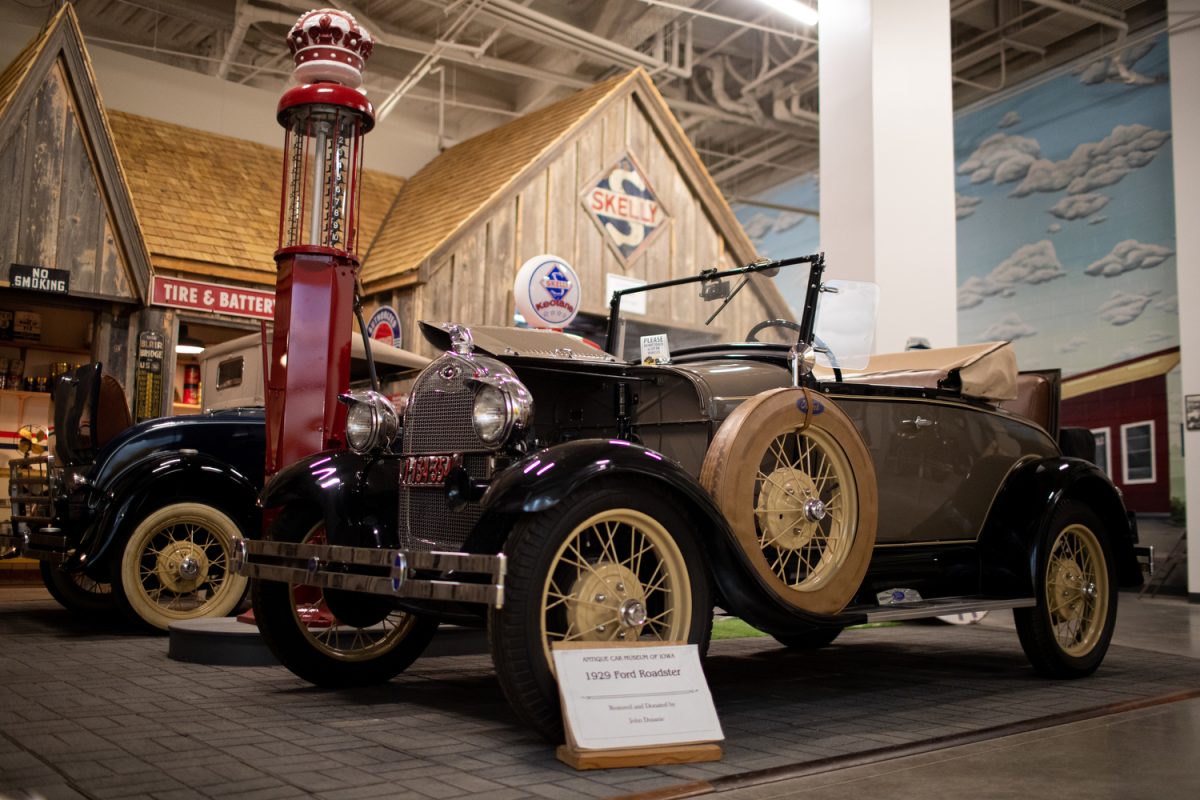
(325, 117)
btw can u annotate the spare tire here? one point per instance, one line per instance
(792, 476)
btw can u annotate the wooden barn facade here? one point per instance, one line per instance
(1125, 407)
(605, 179)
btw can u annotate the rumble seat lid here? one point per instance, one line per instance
(987, 370)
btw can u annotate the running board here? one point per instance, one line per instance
(941, 608)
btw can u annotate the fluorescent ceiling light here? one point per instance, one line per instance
(802, 13)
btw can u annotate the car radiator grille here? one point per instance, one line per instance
(438, 421)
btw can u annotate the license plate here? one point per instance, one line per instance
(428, 470)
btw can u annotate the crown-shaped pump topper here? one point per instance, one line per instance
(329, 46)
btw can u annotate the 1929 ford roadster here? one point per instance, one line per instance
(561, 493)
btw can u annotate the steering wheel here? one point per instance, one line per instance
(752, 336)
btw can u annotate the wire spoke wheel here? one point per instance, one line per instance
(1076, 590)
(791, 474)
(334, 638)
(805, 507)
(618, 577)
(612, 563)
(1067, 633)
(176, 565)
(75, 591)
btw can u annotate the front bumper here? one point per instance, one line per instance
(374, 571)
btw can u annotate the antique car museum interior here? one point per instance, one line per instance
(599, 398)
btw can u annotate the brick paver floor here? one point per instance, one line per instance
(96, 711)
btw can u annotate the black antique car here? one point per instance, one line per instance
(142, 518)
(559, 493)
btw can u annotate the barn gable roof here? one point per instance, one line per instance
(1151, 365)
(57, 59)
(464, 182)
(209, 203)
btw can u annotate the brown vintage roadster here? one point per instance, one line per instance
(556, 492)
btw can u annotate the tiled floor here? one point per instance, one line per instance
(101, 712)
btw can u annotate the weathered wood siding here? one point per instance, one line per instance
(52, 212)
(470, 279)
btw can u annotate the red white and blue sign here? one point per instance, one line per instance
(547, 292)
(384, 326)
(625, 207)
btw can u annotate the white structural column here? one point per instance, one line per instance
(1183, 17)
(887, 161)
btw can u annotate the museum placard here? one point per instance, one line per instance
(635, 696)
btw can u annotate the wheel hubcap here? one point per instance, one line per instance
(1077, 590)
(182, 567)
(608, 602)
(788, 507)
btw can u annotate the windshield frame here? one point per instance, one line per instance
(614, 339)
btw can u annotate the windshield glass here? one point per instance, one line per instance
(746, 307)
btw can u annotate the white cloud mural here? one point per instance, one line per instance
(1000, 157)
(786, 221)
(1128, 256)
(1077, 206)
(964, 205)
(1008, 120)
(1097, 220)
(1119, 69)
(1123, 308)
(1009, 327)
(758, 225)
(1054, 227)
(1168, 305)
(1031, 263)
(1073, 344)
(1093, 165)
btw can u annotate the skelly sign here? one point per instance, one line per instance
(624, 205)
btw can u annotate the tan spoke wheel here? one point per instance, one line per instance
(1077, 590)
(177, 565)
(343, 640)
(792, 476)
(618, 576)
(806, 511)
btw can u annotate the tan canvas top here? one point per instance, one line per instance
(209, 204)
(987, 370)
(448, 191)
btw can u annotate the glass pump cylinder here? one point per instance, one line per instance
(322, 174)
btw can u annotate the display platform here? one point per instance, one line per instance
(102, 711)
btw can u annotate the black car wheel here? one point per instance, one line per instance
(610, 564)
(813, 639)
(176, 565)
(1068, 632)
(333, 638)
(77, 592)
(790, 472)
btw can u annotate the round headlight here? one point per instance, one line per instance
(371, 421)
(491, 415)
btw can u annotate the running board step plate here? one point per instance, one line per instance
(940, 608)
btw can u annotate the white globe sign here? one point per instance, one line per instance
(547, 292)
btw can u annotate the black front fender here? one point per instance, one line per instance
(1022, 511)
(147, 485)
(355, 493)
(543, 479)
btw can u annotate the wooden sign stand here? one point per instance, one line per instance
(611, 758)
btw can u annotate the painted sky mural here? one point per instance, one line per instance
(1066, 218)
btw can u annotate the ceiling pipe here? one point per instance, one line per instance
(1085, 13)
(246, 16)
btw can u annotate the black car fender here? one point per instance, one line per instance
(356, 494)
(151, 483)
(545, 478)
(1022, 511)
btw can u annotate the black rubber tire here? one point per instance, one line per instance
(1034, 625)
(514, 632)
(813, 639)
(274, 612)
(71, 594)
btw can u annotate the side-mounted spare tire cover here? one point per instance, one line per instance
(792, 476)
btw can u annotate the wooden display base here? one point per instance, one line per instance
(637, 756)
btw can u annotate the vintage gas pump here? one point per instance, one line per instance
(325, 118)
